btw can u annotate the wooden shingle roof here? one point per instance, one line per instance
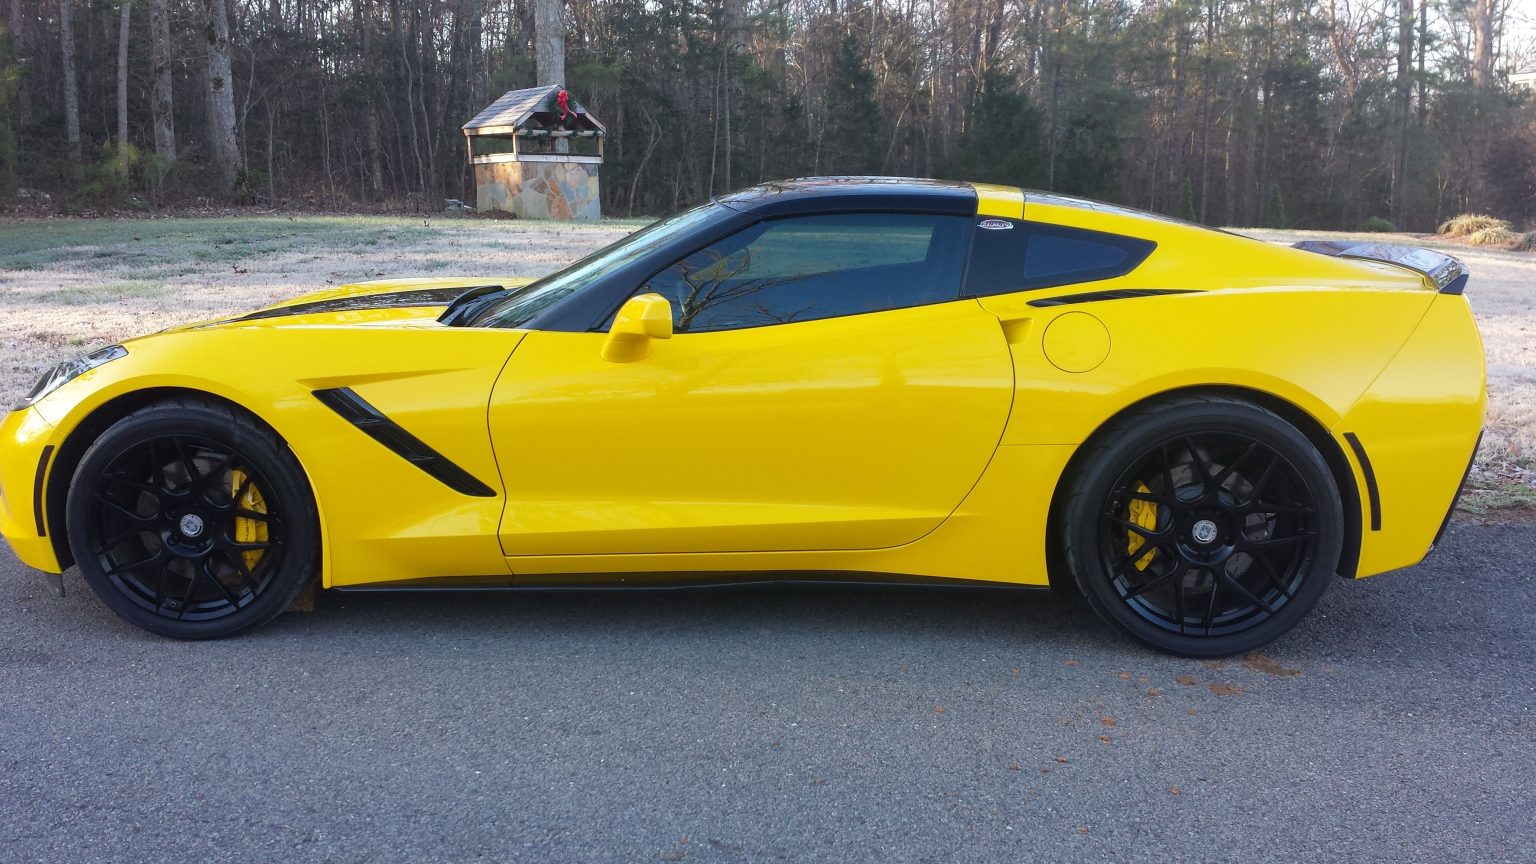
(515, 108)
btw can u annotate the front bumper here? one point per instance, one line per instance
(27, 448)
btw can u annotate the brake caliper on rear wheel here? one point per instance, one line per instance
(1143, 513)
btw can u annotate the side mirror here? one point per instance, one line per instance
(642, 318)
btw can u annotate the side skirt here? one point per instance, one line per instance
(687, 581)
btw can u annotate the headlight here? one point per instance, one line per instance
(67, 371)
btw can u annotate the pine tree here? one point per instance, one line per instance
(1001, 142)
(1275, 212)
(851, 132)
(1187, 202)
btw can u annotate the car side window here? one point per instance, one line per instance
(802, 268)
(1027, 256)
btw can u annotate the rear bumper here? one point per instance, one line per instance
(1420, 421)
(27, 448)
(1451, 511)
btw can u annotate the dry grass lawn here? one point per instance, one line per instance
(69, 284)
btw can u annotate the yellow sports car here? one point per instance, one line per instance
(852, 378)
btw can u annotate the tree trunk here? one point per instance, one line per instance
(1482, 13)
(221, 95)
(122, 87)
(1205, 110)
(1423, 79)
(161, 107)
(71, 93)
(1404, 110)
(371, 107)
(549, 42)
(19, 57)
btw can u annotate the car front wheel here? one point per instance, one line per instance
(192, 520)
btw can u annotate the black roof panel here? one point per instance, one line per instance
(843, 194)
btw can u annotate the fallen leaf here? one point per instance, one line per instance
(1125, 676)
(1061, 759)
(1186, 680)
(1259, 663)
(1014, 767)
(938, 709)
(1220, 689)
(1191, 712)
(1215, 664)
(1174, 790)
(1082, 829)
(1154, 692)
(1069, 662)
(1104, 738)
(1107, 721)
(1067, 721)
(1143, 680)
(1015, 671)
(1045, 770)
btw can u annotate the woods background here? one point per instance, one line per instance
(1281, 113)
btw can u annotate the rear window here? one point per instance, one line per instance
(1029, 256)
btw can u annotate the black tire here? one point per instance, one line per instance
(191, 519)
(1202, 567)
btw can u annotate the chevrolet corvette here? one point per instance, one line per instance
(871, 379)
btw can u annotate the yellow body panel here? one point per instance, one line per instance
(926, 441)
(1419, 423)
(382, 519)
(855, 432)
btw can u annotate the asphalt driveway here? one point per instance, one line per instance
(784, 724)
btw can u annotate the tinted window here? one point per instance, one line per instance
(518, 306)
(808, 267)
(1030, 256)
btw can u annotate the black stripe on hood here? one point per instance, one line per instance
(390, 300)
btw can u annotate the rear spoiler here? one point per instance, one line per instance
(1448, 274)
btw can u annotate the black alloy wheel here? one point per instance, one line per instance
(191, 520)
(1204, 526)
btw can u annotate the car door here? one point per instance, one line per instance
(825, 387)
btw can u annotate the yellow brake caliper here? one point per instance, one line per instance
(1143, 513)
(248, 530)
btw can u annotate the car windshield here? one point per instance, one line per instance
(519, 307)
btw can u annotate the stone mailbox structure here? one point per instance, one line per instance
(537, 153)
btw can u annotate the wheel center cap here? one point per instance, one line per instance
(1204, 531)
(191, 525)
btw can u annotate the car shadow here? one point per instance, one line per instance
(830, 612)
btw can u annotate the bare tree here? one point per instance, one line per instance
(71, 91)
(365, 11)
(161, 106)
(221, 95)
(122, 87)
(1404, 109)
(19, 55)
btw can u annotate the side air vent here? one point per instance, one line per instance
(357, 411)
(1100, 296)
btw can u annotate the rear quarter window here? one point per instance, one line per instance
(1029, 256)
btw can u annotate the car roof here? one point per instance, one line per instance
(844, 194)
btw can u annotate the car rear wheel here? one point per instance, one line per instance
(192, 520)
(1203, 526)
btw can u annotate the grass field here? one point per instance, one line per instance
(69, 284)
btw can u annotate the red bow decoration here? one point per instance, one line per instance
(563, 99)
